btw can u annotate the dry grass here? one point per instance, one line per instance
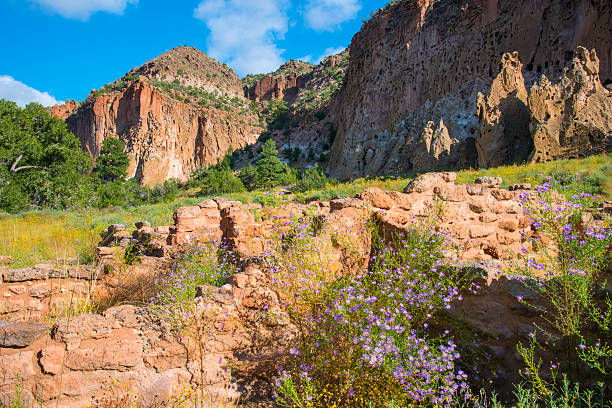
(35, 238)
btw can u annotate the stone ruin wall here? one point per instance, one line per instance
(79, 358)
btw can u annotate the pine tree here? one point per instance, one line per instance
(112, 163)
(271, 172)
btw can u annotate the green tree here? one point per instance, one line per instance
(248, 175)
(217, 179)
(112, 163)
(41, 162)
(271, 172)
(278, 112)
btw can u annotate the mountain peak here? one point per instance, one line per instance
(191, 67)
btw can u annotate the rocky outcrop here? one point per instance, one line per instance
(422, 61)
(284, 83)
(64, 110)
(167, 131)
(503, 135)
(573, 117)
(569, 118)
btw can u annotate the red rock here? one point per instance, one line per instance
(52, 358)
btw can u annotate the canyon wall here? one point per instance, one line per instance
(164, 137)
(155, 109)
(424, 61)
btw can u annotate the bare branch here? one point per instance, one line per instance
(12, 169)
(25, 168)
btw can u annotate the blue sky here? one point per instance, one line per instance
(56, 50)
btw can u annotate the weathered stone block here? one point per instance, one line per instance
(24, 274)
(20, 334)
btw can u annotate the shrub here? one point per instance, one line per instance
(365, 341)
(217, 179)
(194, 265)
(568, 277)
(165, 192)
(311, 179)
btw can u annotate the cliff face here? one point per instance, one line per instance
(165, 138)
(284, 83)
(172, 120)
(572, 118)
(425, 60)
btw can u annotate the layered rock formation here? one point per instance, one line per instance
(572, 118)
(284, 83)
(422, 61)
(503, 135)
(167, 130)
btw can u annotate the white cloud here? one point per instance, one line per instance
(326, 15)
(83, 9)
(329, 51)
(244, 32)
(13, 90)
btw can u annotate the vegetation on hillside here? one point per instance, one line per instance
(42, 166)
(41, 162)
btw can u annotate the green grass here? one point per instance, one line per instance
(40, 236)
(596, 170)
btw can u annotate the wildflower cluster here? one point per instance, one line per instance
(194, 264)
(371, 342)
(304, 269)
(567, 254)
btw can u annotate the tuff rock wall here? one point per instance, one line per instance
(410, 98)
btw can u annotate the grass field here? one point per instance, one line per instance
(39, 236)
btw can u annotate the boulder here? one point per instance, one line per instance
(492, 182)
(426, 182)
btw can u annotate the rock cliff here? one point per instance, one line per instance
(572, 118)
(421, 60)
(284, 83)
(176, 113)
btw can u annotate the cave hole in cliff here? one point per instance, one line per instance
(530, 67)
(607, 82)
